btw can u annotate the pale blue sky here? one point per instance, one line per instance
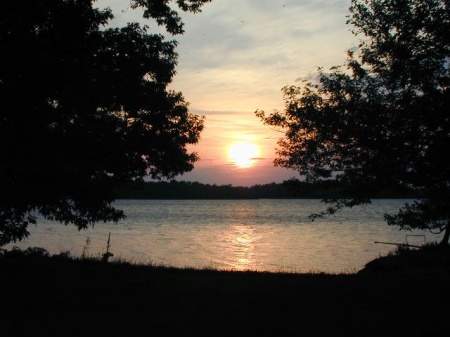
(234, 58)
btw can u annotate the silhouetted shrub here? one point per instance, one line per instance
(30, 251)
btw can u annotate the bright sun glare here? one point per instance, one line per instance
(243, 154)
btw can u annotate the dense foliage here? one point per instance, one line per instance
(288, 189)
(85, 108)
(383, 118)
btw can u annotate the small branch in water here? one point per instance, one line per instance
(398, 244)
(107, 254)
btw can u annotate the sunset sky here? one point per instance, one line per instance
(234, 58)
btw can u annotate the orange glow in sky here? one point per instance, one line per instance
(233, 60)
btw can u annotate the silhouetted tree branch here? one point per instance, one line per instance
(381, 119)
(85, 109)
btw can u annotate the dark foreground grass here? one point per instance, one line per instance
(72, 297)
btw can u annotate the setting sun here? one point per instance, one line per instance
(243, 154)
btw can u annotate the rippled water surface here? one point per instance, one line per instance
(266, 234)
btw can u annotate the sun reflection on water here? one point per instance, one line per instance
(238, 249)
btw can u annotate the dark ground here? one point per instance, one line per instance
(55, 297)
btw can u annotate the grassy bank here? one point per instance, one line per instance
(63, 296)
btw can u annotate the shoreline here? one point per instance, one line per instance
(57, 296)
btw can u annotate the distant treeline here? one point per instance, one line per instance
(288, 189)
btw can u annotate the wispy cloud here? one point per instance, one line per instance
(236, 56)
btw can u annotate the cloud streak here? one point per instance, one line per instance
(235, 57)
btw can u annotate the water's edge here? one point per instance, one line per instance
(257, 234)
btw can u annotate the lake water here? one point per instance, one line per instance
(262, 235)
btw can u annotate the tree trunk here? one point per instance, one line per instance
(446, 237)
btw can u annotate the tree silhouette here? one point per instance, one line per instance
(85, 109)
(381, 119)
